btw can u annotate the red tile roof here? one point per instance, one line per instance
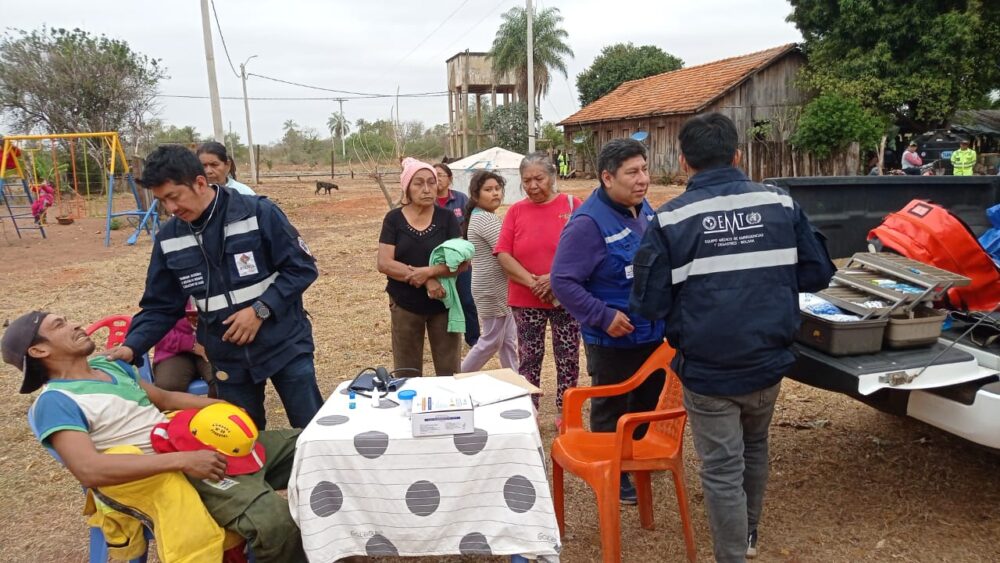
(687, 90)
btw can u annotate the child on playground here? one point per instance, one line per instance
(178, 358)
(43, 201)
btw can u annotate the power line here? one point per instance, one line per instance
(551, 105)
(429, 35)
(302, 98)
(469, 30)
(572, 95)
(223, 38)
(335, 91)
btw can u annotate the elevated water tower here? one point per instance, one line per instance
(472, 74)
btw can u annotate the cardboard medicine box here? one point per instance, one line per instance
(442, 414)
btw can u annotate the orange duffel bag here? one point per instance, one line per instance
(929, 233)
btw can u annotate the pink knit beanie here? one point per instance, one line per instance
(410, 167)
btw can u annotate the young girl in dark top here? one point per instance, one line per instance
(409, 234)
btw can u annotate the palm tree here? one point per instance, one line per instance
(339, 127)
(510, 49)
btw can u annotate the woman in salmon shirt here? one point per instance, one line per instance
(525, 250)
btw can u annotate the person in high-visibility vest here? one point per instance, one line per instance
(963, 159)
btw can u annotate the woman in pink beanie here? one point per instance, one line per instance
(409, 234)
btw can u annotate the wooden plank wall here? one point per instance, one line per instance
(770, 95)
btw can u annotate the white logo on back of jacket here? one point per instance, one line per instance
(732, 222)
(733, 228)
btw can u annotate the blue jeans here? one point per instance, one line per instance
(730, 435)
(464, 281)
(296, 386)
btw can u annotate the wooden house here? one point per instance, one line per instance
(758, 91)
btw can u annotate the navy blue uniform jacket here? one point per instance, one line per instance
(723, 263)
(248, 251)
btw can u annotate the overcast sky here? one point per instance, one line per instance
(379, 45)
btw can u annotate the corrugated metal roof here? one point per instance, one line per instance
(977, 121)
(687, 90)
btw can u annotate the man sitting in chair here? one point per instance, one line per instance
(92, 407)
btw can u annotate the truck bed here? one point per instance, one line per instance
(959, 394)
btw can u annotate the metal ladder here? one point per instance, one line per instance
(19, 210)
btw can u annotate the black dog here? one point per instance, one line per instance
(320, 185)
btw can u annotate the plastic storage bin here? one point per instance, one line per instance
(844, 338)
(921, 330)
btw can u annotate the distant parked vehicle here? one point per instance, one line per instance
(938, 145)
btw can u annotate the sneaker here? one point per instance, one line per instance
(558, 422)
(626, 492)
(752, 544)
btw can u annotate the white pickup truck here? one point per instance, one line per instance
(961, 392)
(958, 393)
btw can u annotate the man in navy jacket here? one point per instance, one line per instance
(592, 278)
(246, 267)
(723, 263)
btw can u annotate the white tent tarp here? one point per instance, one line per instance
(502, 161)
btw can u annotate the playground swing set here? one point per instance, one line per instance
(42, 186)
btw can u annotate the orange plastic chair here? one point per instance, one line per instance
(600, 457)
(117, 326)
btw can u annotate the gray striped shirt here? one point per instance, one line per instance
(489, 282)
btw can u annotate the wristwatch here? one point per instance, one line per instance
(262, 311)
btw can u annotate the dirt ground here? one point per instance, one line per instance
(847, 483)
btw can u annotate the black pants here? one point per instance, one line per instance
(464, 281)
(607, 366)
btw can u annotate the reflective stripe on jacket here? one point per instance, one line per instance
(723, 263)
(252, 253)
(962, 161)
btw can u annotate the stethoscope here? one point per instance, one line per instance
(383, 382)
(220, 375)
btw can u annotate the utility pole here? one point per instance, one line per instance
(531, 78)
(213, 85)
(246, 108)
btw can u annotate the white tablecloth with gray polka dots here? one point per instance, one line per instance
(363, 485)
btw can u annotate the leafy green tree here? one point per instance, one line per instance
(510, 49)
(368, 145)
(61, 81)
(550, 136)
(917, 61)
(155, 133)
(382, 127)
(509, 124)
(620, 63)
(428, 145)
(237, 150)
(831, 122)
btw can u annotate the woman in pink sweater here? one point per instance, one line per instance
(178, 359)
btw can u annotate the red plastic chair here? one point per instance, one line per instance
(117, 326)
(599, 458)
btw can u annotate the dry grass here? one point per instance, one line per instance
(862, 486)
